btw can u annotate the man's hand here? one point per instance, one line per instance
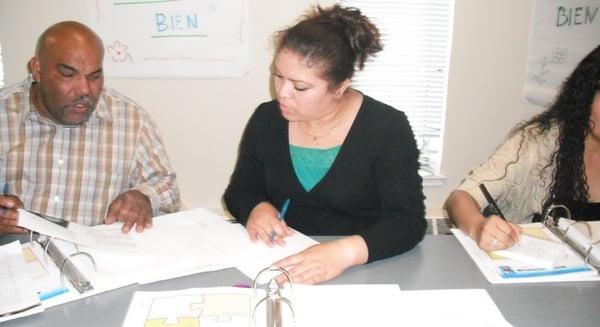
(9, 216)
(132, 208)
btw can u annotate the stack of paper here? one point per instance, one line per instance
(247, 256)
(178, 244)
(536, 252)
(17, 294)
(500, 269)
(315, 306)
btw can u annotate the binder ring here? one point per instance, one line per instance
(273, 297)
(553, 207)
(67, 259)
(65, 265)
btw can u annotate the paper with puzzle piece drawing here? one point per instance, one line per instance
(195, 307)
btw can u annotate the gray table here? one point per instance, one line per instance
(439, 262)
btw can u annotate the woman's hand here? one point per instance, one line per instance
(325, 261)
(495, 233)
(264, 225)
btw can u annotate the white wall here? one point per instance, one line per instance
(202, 119)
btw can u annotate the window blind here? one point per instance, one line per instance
(411, 73)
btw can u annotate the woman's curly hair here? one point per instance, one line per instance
(571, 111)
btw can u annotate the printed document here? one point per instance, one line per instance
(501, 270)
(247, 256)
(16, 290)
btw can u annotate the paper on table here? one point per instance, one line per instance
(536, 252)
(173, 247)
(97, 238)
(345, 305)
(16, 290)
(503, 271)
(460, 308)
(329, 305)
(247, 256)
(214, 306)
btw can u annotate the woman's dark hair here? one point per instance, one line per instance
(337, 39)
(571, 111)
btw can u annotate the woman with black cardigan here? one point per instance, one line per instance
(347, 163)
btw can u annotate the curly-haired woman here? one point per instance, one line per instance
(554, 158)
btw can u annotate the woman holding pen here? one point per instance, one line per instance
(347, 163)
(554, 158)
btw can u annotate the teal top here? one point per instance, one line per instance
(312, 164)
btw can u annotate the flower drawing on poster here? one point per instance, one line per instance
(118, 52)
(557, 57)
(562, 33)
(175, 38)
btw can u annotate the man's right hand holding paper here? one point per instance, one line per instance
(9, 216)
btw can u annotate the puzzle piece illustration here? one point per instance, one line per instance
(172, 309)
(181, 322)
(223, 306)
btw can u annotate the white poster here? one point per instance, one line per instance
(563, 32)
(172, 38)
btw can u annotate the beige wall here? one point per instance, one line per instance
(201, 119)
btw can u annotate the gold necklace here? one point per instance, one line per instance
(316, 138)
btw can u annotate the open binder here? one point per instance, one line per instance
(566, 229)
(580, 262)
(64, 263)
(272, 300)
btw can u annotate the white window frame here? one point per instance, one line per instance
(411, 73)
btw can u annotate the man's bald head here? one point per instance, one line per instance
(67, 31)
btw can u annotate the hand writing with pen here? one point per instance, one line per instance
(316, 264)
(266, 224)
(8, 212)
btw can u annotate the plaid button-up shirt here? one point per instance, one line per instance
(75, 172)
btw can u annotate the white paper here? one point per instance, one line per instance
(490, 267)
(247, 256)
(314, 306)
(98, 237)
(346, 305)
(460, 308)
(536, 252)
(216, 306)
(16, 290)
(173, 247)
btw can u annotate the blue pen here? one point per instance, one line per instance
(281, 215)
(52, 293)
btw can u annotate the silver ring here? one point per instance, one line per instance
(494, 243)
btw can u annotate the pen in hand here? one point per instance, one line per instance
(490, 200)
(281, 216)
(5, 193)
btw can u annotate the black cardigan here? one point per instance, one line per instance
(372, 189)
